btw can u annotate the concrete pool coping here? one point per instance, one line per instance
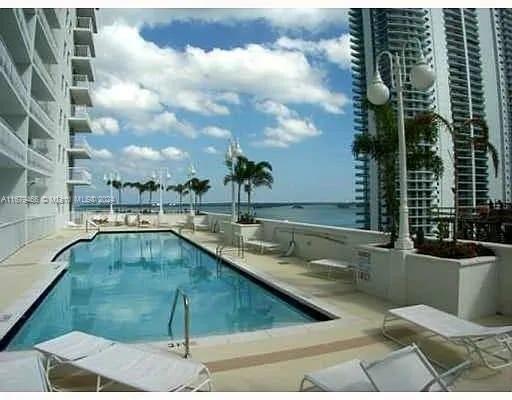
(31, 299)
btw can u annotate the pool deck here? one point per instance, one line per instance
(268, 360)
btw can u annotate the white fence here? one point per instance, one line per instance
(17, 233)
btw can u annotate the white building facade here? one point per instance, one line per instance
(46, 74)
(468, 49)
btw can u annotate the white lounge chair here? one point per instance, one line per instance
(23, 374)
(404, 370)
(121, 363)
(331, 264)
(493, 345)
(262, 245)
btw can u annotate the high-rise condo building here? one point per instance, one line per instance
(46, 74)
(468, 49)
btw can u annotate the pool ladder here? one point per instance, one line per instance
(186, 306)
(222, 249)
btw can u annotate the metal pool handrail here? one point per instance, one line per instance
(186, 306)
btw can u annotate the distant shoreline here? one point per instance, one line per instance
(222, 204)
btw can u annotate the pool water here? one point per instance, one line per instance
(121, 286)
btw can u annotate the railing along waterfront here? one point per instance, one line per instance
(8, 66)
(47, 31)
(11, 144)
(39, 162)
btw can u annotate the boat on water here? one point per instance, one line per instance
(297, 206)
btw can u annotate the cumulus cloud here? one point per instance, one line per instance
(135, 152)
(105, 126)
(164, 122)
(336, 50)
(289, 19)
(290, 128)
(210, 150)
(207, 82)
(102, 154)
(216, 132)
(173, 153)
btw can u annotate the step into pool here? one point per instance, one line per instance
(122, 285)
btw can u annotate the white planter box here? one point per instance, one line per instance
(465, 287)
(234, 230)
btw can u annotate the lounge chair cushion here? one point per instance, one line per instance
(73, 345)
(344, 377)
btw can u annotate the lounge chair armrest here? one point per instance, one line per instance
(452, 374)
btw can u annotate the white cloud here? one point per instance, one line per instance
(135, 152)
(211, 150)
(126, 96)
(105, 125)
(216, 132)
(290, 127)
(336, 50)
(207, 82)
(173, 153)
(164, 122)
(290, 18)
(102, 154)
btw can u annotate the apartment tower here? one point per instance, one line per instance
(468, 49)
(46, 74)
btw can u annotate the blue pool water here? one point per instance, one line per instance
(121, 286)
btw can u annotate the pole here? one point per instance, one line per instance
(111, 195)
(403, 241)
(233, 204)
(161, 193)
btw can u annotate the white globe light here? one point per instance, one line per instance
(422, 76)
(377, 92)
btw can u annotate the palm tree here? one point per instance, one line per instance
(200, 188)
(383, 148)
(181, 189)
(257, 174)
(192, 185)
(139, 186)
(116, 184)
(459, 138)
(238, 177)
(151, 186)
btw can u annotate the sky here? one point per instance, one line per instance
(173, 86)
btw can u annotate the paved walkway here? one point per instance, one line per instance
(276, 359)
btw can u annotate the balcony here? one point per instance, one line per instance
(82, 62)
(12, 148)
(79, 176)
(79, 119)
(54, 17)
(79, 149)
(46, 85)
(40, 112)
(39, 163)
(47, 33)
(10, 80)
(80, 90)
(83, 33)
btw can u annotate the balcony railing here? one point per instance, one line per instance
(42, 112)
(20, 17)
(79, 111)
(9, 68)
(81, 81)
(82, 50)
(48, 32)
(80, 144)
(84, 23)
(79, 175)
(45, 73)
(11, 144)
(39, 162)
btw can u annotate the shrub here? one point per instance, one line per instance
(453, 250)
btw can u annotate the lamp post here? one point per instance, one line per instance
(163, 174)
(234, 151)
(191, 174)
(110, 177)
(422, 78)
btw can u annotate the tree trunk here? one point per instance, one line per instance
(181, 199)
(455, 195)
(140, 198)
(119, 195)
(249, 200)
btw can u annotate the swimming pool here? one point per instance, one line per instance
(121, 286)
